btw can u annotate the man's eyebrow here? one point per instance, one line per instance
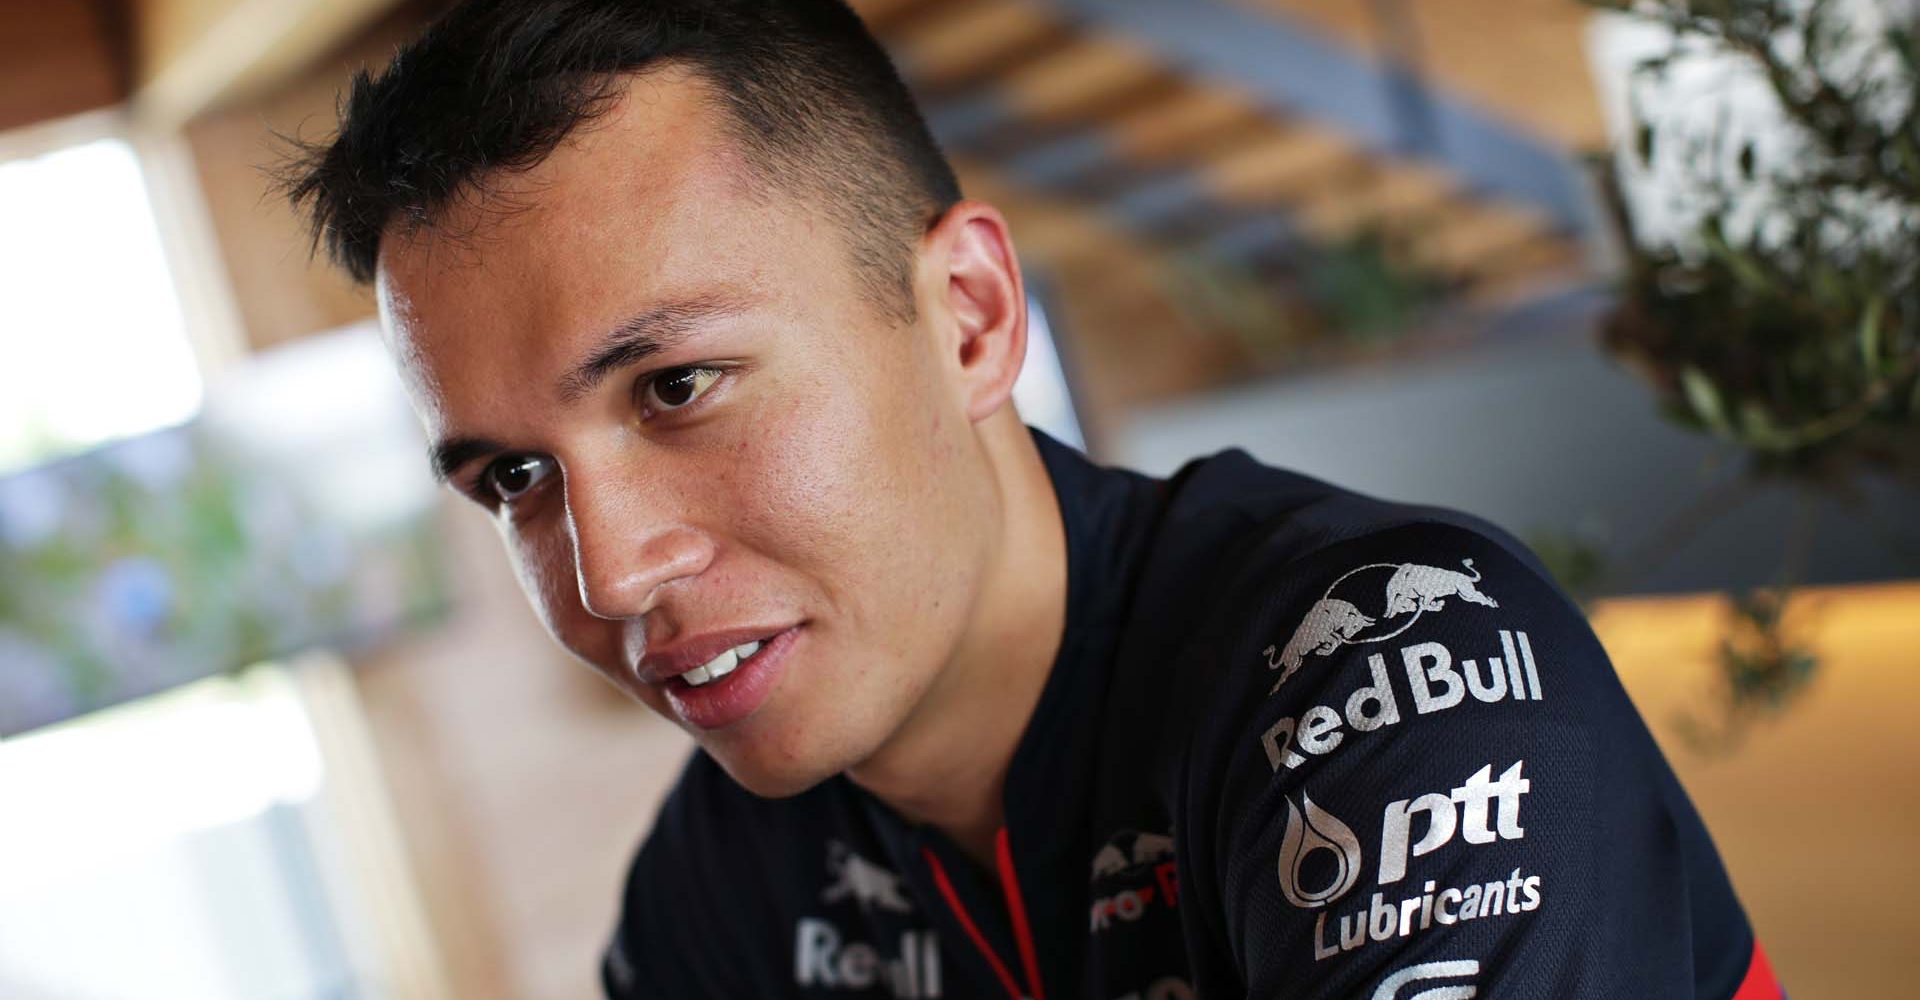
(635, 339)
(448, 456)
(642, 336)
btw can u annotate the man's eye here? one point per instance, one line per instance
(510, 478)
(676, 388)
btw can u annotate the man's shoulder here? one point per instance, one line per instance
(1321, 581)
(1242, 546)
(1276, 515)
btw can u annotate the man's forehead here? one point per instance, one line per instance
(659, 143)
(635, 201)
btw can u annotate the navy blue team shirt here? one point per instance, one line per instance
(1298, 744)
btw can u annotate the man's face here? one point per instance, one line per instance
(780, 461)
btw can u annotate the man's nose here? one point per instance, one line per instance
(627, 545)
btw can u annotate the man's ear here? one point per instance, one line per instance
(983, 304)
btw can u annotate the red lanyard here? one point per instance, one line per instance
(1016, 908)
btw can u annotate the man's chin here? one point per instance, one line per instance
(773, 780)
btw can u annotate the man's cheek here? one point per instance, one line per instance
(793, 475)
(546, 574)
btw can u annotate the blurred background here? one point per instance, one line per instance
(1641, 287)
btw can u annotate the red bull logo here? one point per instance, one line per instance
(1435, 681)
(1372, 603)
(821, 958)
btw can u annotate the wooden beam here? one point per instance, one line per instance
(1524, 60)
(1076, 78)
(1390, 196)
(1281, 167)
(1480, 230)
(935, 49)
(57, 58)
(192, 56)
(886, 17)
(1185, 125)
(985, 66)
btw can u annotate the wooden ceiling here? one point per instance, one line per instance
(1122, 160)
(1091, 117)
(192, 56)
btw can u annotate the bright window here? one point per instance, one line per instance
(227, 839)
(93, 345)
(145, 850)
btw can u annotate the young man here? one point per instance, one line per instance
(690, 301)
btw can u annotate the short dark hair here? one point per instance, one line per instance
(496, 85)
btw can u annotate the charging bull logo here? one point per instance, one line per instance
(1424, 588)
(865, 882)
(1330, 624)
(1390, 595)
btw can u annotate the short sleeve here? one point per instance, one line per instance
(1420, 777)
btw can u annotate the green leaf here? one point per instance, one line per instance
(1757, 425)
(1704, 397)
(1909, 156)
(1901, 41)
(1870, 333)
(1828, 286)
(1746, 269)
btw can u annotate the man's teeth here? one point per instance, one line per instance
(722, 665)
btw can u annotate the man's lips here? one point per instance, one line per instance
(663, 663)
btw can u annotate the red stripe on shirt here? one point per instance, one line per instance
(966, 923)
(1023, 935)
(1759, 984)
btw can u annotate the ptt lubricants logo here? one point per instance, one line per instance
(1321, 861)
(1311, 830)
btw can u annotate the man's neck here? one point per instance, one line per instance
(947, 764)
